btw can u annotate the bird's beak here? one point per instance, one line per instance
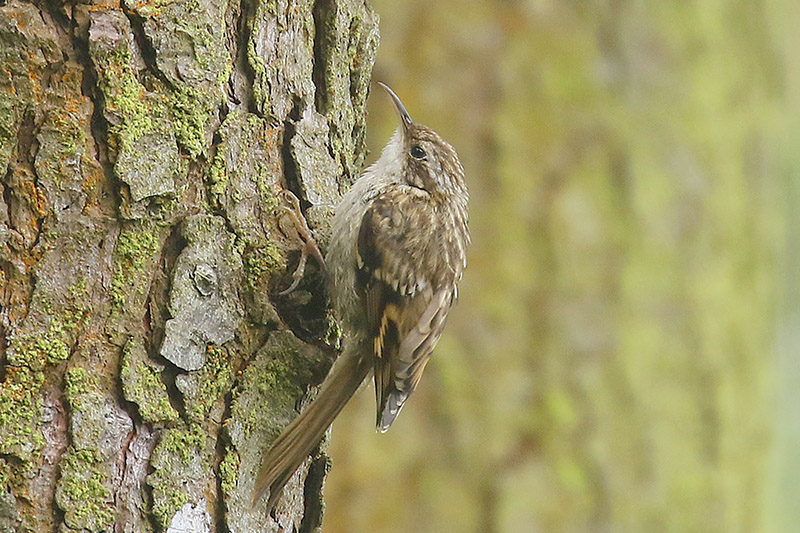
(405, 118)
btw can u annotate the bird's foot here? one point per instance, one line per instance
(291, 207)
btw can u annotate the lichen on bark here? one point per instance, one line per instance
(146, 359)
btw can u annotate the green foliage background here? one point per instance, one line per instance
(624, 353)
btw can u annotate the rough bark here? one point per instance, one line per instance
(146, 359)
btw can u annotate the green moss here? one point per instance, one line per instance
(20, 412)
(179, 462)
(5, 474)
(125, 96)
(260, 73)
(8, 129)
(229, 471)
(208, 384)
(63, 326)
(273, 375)
(83, 491)
(261, 263)
(194, 101)
(153, 402)
(118, 286)
(217, 178)
(224, 74)
(142, 136)
(184, 444)
(85, 401)
(264, 180)
(28, 356)
(142, 385)
(151, 8)
(77, 383)
(136, 248)
(77, 290)
(205, 25)
(36, 351)
(192, 110)
(263, 175)
(166, 507)
(276, 380)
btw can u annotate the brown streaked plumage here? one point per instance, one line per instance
(397, 252)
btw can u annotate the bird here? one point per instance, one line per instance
(397, 251)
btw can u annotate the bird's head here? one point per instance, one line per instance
(429, 162)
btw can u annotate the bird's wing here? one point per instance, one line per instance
(407, 289)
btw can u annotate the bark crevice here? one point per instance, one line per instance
(127, 127)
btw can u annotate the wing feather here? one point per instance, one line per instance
(407, 281)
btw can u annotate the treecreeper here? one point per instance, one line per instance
(396, 255)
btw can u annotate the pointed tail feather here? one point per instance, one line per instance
(297, 440)
(394, 403)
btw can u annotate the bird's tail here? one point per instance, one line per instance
(297, 440)
(394, 403)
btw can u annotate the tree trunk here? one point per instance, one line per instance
(146, 357)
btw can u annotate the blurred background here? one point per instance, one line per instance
(625, 354)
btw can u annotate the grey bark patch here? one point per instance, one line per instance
(281, 54)
(9, 518)
(143, 138)
(189, 39)
(204, 296)
(191, 519)
(181, 471)
(28, 46)
(245, 182)
(317, 170)
(150, 166)
(3, 226)
(247, 174)
(99, 428)
(64, 162)
(345, 48)
(108, 28)
(131, 503)
(205, 280)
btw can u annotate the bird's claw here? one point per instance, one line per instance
(309, 246)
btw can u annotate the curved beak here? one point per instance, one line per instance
(405, 118)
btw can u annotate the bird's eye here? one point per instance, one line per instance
(417, 152)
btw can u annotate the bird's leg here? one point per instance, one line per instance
(309, 245)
